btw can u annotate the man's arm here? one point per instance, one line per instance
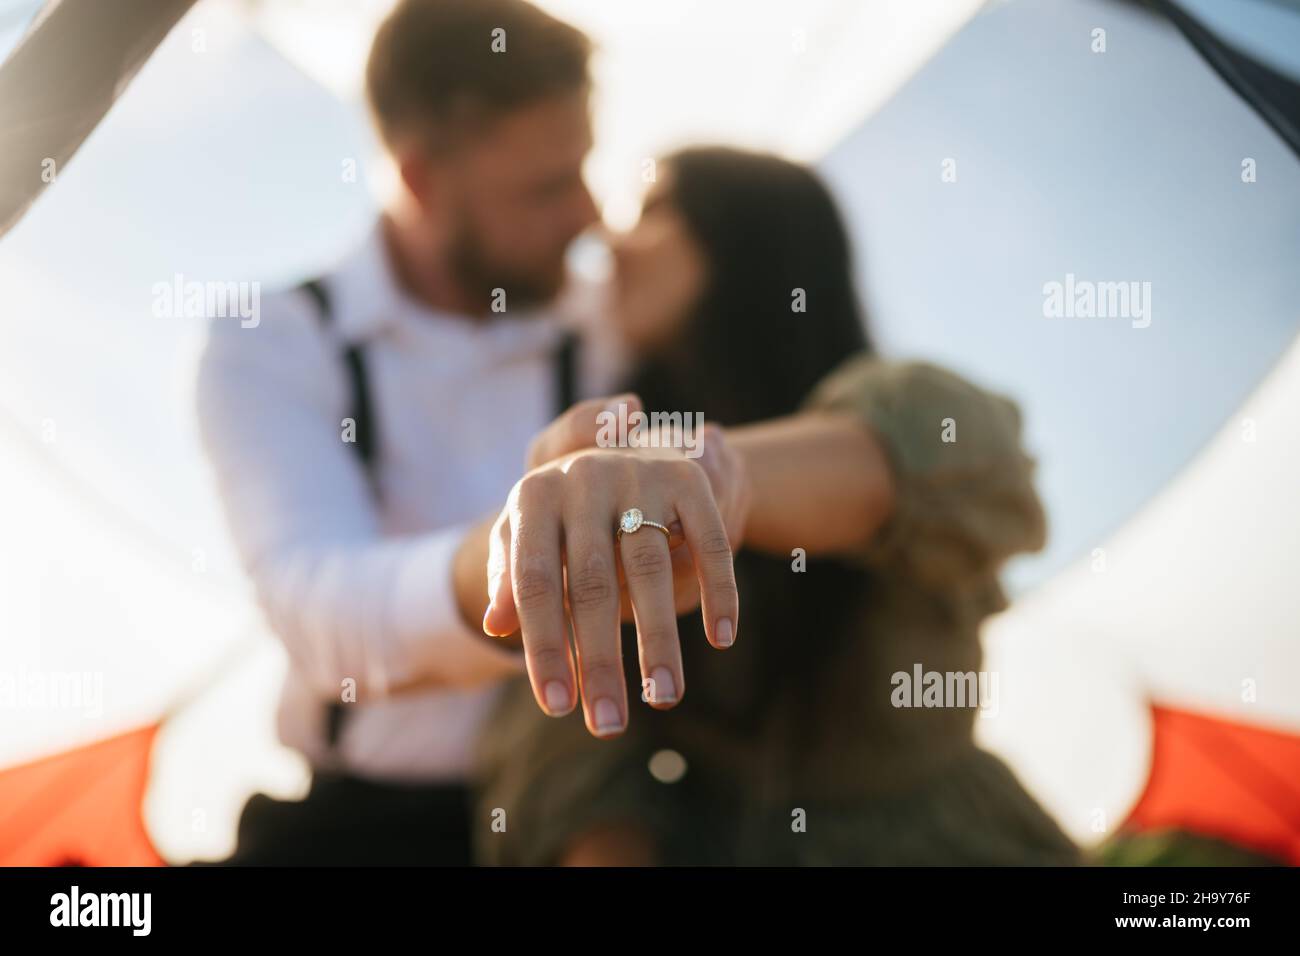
(346, 600)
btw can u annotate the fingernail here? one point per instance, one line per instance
(663, 690)
(557, 698)
(607, 719)
(487, 630)
(724, 632)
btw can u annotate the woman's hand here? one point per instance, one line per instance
(554, 556)
(580, 427)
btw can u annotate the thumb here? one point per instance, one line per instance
(501, 618)
(581, 427)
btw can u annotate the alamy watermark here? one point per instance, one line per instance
(1085, 299)
(922, 688)
(190, 299)
(133, 911)
(637, 429)
(53, 690)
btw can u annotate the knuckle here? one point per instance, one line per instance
(584, 468)
(512, 499)
(534, 588)
(714, 544)
(549, 658)
(625, 466)
(525, 490)
(601, 668)
(591, 587)
(713, 467)
(646, 560)
(658, 636)
(723, 589)
(661, 469)
(538, 488)
(693, 476)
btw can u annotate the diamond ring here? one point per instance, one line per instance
(633, 520)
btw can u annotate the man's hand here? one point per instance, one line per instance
(554, 557)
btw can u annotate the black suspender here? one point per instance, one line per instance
(566, 372)
(366, 444)
(359, 402)
(360, 413)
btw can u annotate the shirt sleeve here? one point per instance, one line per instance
(964, 489)
(346, 600)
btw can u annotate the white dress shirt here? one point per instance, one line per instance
(358, 585)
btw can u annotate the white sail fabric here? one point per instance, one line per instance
(1192, 604)
(1158, 459)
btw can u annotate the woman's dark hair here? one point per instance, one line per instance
(779, 310)
(770, 231)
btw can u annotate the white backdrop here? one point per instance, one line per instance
(1114, 166)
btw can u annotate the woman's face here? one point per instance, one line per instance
(659, 277)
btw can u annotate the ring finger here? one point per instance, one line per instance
(647, 567)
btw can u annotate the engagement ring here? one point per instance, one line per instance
(633, 520)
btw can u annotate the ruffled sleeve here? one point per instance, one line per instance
(964, 491)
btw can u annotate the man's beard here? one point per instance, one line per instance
(479, 277)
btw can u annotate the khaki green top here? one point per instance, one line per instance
(818, 764)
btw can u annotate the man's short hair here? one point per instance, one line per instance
(440, 68)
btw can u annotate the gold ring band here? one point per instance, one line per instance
(632, 521)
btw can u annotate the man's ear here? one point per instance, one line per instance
(419, 175)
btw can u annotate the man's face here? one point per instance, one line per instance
(512, 199)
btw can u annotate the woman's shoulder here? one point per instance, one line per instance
(924, 410)
(965, 496)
